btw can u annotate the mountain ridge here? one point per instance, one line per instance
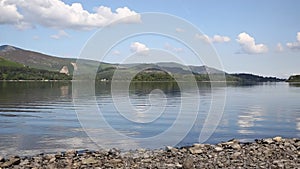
(42, 61)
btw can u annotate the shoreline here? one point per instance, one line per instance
(274, 152)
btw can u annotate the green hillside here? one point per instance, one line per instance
(7, 63)
(15, 71)
(20, 64)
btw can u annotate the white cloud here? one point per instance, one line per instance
(60, 34)
(179, 30)
(279, 47)
(9, 13)
(35, 37)
(248, 44)
(294, 45)
(220, 39)
(116, 52)
(138, 47)
(169, 47)
(214, 39)
(57, 14)
(203, 37)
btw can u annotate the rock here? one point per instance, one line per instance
(52, 159)
(146, 160)
(114, 161)
(218, 148)
(198, 145)
(170, 165)
(236, 154)
(171, 149)
(235, 146)
(178, 165)
(233, 141)
(277, 139)
(89, 160)
(188, 163)
(10, 162)
(268, 141)
(2, 159)
(24, 162)
(71, 153)
(195, 150)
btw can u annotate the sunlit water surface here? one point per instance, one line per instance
(38, 117)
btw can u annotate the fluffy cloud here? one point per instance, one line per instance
(295, 45)
(138, 47)
(169, 47)
(60, 34)
(9, 13)
(116, 52)
(57, 14)
(220, 39)
(179, 30)
(279, 47)
(214, 39)
(248, 44)
(203, 37)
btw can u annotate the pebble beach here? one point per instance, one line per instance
(274, 152)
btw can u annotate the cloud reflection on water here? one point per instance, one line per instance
(247, 119)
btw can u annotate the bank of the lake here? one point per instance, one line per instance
(274, 152)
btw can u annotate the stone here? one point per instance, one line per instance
(146, 160)
(195, 150)
(71, 153)
(52, 160)
(277, 139)
(114, 161)
(10, 162)
(235, 146)
(188, 163)
(89, 160)
(2, 159)
(178, 165)
(236, 154)
(218, 148)
(198, 145)
(24, 162)
(268, 141)
(170, 165)
(171, 149)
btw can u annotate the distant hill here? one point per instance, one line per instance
(14, 60)
(15, 71)
(42, 61)
(294, 79)
(34, 59)
(250, 78)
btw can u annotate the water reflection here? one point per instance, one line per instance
(294, 84)
(39, 116)
(248, 119)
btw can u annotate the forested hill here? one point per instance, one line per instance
(15, 71)
(20, 64)
(294, 79)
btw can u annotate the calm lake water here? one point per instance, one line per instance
(40, 117)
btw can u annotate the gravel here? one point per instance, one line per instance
(274, 152)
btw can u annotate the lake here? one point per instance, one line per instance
(38, 117)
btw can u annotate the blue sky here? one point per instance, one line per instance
(250, 36)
